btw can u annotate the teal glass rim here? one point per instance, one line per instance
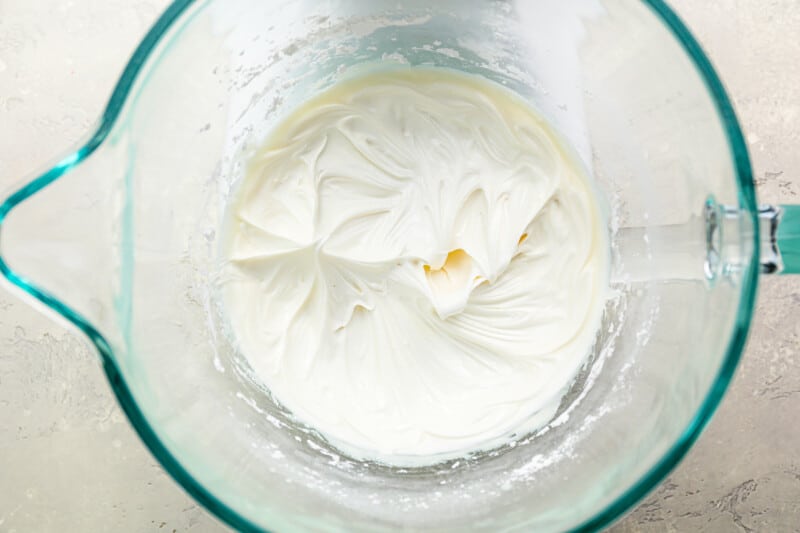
(119, 96)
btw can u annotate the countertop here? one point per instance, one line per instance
(70, 461)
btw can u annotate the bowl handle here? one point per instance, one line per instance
(721, 234)
(780, 239)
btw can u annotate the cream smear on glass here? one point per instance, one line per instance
(415, 266)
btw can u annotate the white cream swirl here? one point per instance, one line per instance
(415, 266)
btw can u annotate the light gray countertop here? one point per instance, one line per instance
(70, 461)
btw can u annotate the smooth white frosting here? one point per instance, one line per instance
(415, 266)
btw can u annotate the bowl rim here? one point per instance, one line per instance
(119, 97)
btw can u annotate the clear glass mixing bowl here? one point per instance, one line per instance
(120, 238)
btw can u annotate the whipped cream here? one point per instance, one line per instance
(415, 266)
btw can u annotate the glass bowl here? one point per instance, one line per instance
(120, 239)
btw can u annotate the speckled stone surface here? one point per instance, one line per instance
(70, 462)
